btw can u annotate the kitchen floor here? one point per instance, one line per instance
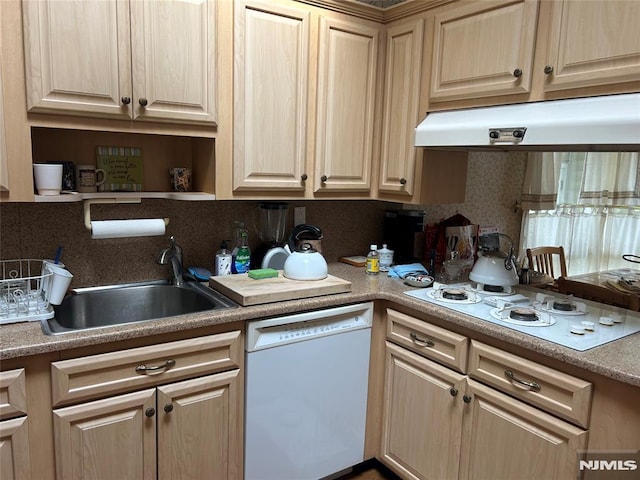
(371, 470)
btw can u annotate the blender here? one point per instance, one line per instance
(272, 232)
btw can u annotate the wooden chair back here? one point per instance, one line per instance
(544, 259)
(599, 294)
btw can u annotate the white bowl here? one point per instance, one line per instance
(419, 280)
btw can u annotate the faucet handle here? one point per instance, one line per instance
(177, 248)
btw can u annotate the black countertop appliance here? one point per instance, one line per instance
(404, 234)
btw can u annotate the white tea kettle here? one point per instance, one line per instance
(494, 267)
(305, 263)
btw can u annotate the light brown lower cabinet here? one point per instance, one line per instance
(440, 424)
(167, 411)
(15, 462)
(15, 459)
(116, 437)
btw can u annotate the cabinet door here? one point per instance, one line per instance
(4, 169)
(483, 49)
(402, 90)
(77, 57)
(173, 46)
(593, 43)
(346, 97)
(110, 438)
(200, 428)
(422, 416)
(270, 108)
(505, 438)
(15, 460)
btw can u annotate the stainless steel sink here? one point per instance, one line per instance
(98, 307)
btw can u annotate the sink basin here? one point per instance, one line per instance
(98, 307)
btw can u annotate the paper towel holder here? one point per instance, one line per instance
(88, 203)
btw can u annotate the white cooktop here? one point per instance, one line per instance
(586, 325)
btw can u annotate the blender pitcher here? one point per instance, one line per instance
(273, 222)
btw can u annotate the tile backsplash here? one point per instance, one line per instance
(34, 230)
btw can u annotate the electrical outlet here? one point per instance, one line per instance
(299, 215)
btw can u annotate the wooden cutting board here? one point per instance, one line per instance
(247, 291)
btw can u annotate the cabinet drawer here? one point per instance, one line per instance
(13, 394)
(108, 373)
(428, 340)
(556, 392)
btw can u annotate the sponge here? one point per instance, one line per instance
(263, 273)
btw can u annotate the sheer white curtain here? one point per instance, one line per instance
(587, 202)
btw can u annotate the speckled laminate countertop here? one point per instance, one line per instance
(618, 360)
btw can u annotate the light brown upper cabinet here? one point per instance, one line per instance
(512, 51)
(4, 168)
(401, 94)
(483, 49)
(591, 44)
(270, 88)
(140, 60)
(304, 102)
(348, 53)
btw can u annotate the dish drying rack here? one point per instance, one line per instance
(24, 288)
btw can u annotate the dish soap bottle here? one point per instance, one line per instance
(373, 261)
(241, 253)
(223, 260)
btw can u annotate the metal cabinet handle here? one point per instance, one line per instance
(165, 366)
(467, 398)
(533, 386)
(453, 392)
(517, 72)
(168, 408)
(422, 342)
(323, 178)
(548, 69)
(304, 177)
(150, 412)
(125, 100)
(403, 181)
(143, 102)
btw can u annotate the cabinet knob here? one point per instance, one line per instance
(453, 392)
(517, 72)
(143, 102)
(125, 100)
(548, 69)
(403, 181)
(168, 407)
(304, 177)
(150, 412)
(323, 178)
(466, 398)
(494, 134)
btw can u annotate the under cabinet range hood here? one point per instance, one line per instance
(605, 123)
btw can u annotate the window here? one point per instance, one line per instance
(588, 202)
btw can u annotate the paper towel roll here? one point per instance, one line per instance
(146, 227)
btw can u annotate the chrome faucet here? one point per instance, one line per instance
(173, 256)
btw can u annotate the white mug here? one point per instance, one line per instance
(88, 178)
(48, 178)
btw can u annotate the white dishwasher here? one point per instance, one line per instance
(306, 393)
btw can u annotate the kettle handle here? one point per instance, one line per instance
(302, 228)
